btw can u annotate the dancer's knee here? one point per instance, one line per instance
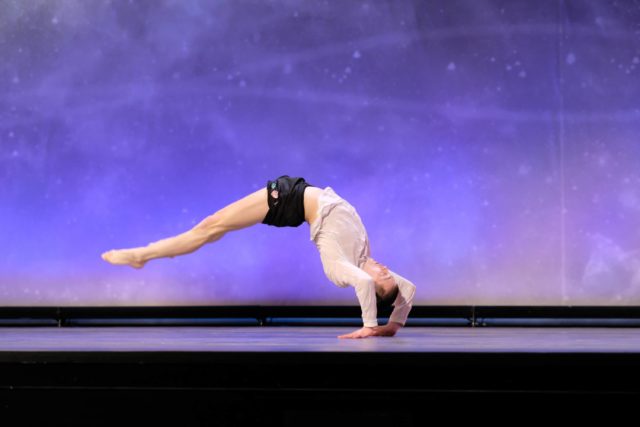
(213, 226)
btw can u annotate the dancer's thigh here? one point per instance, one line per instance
(242, 213)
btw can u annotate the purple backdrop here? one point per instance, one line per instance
(491, 147)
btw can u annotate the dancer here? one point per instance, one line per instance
(336, 229)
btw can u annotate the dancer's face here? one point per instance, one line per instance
(380, 273)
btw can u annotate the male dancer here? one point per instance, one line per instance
(336, 229)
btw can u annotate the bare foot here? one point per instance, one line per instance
(124, 257)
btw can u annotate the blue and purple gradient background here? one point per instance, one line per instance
(491, 147)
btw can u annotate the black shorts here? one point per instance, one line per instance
(286, 209)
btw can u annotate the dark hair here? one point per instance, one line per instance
(384, 304)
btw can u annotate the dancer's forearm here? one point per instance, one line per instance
(181, 244)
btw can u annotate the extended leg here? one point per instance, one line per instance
(243, 213)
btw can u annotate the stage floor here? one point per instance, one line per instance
(317, 339)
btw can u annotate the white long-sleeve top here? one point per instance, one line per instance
(342, 241)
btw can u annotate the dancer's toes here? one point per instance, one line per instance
(106, 256)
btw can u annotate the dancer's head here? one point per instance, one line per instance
(386, 286)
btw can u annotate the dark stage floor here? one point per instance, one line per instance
(277, 375)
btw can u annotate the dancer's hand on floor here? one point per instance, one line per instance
(360, 333)
(387, 330)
